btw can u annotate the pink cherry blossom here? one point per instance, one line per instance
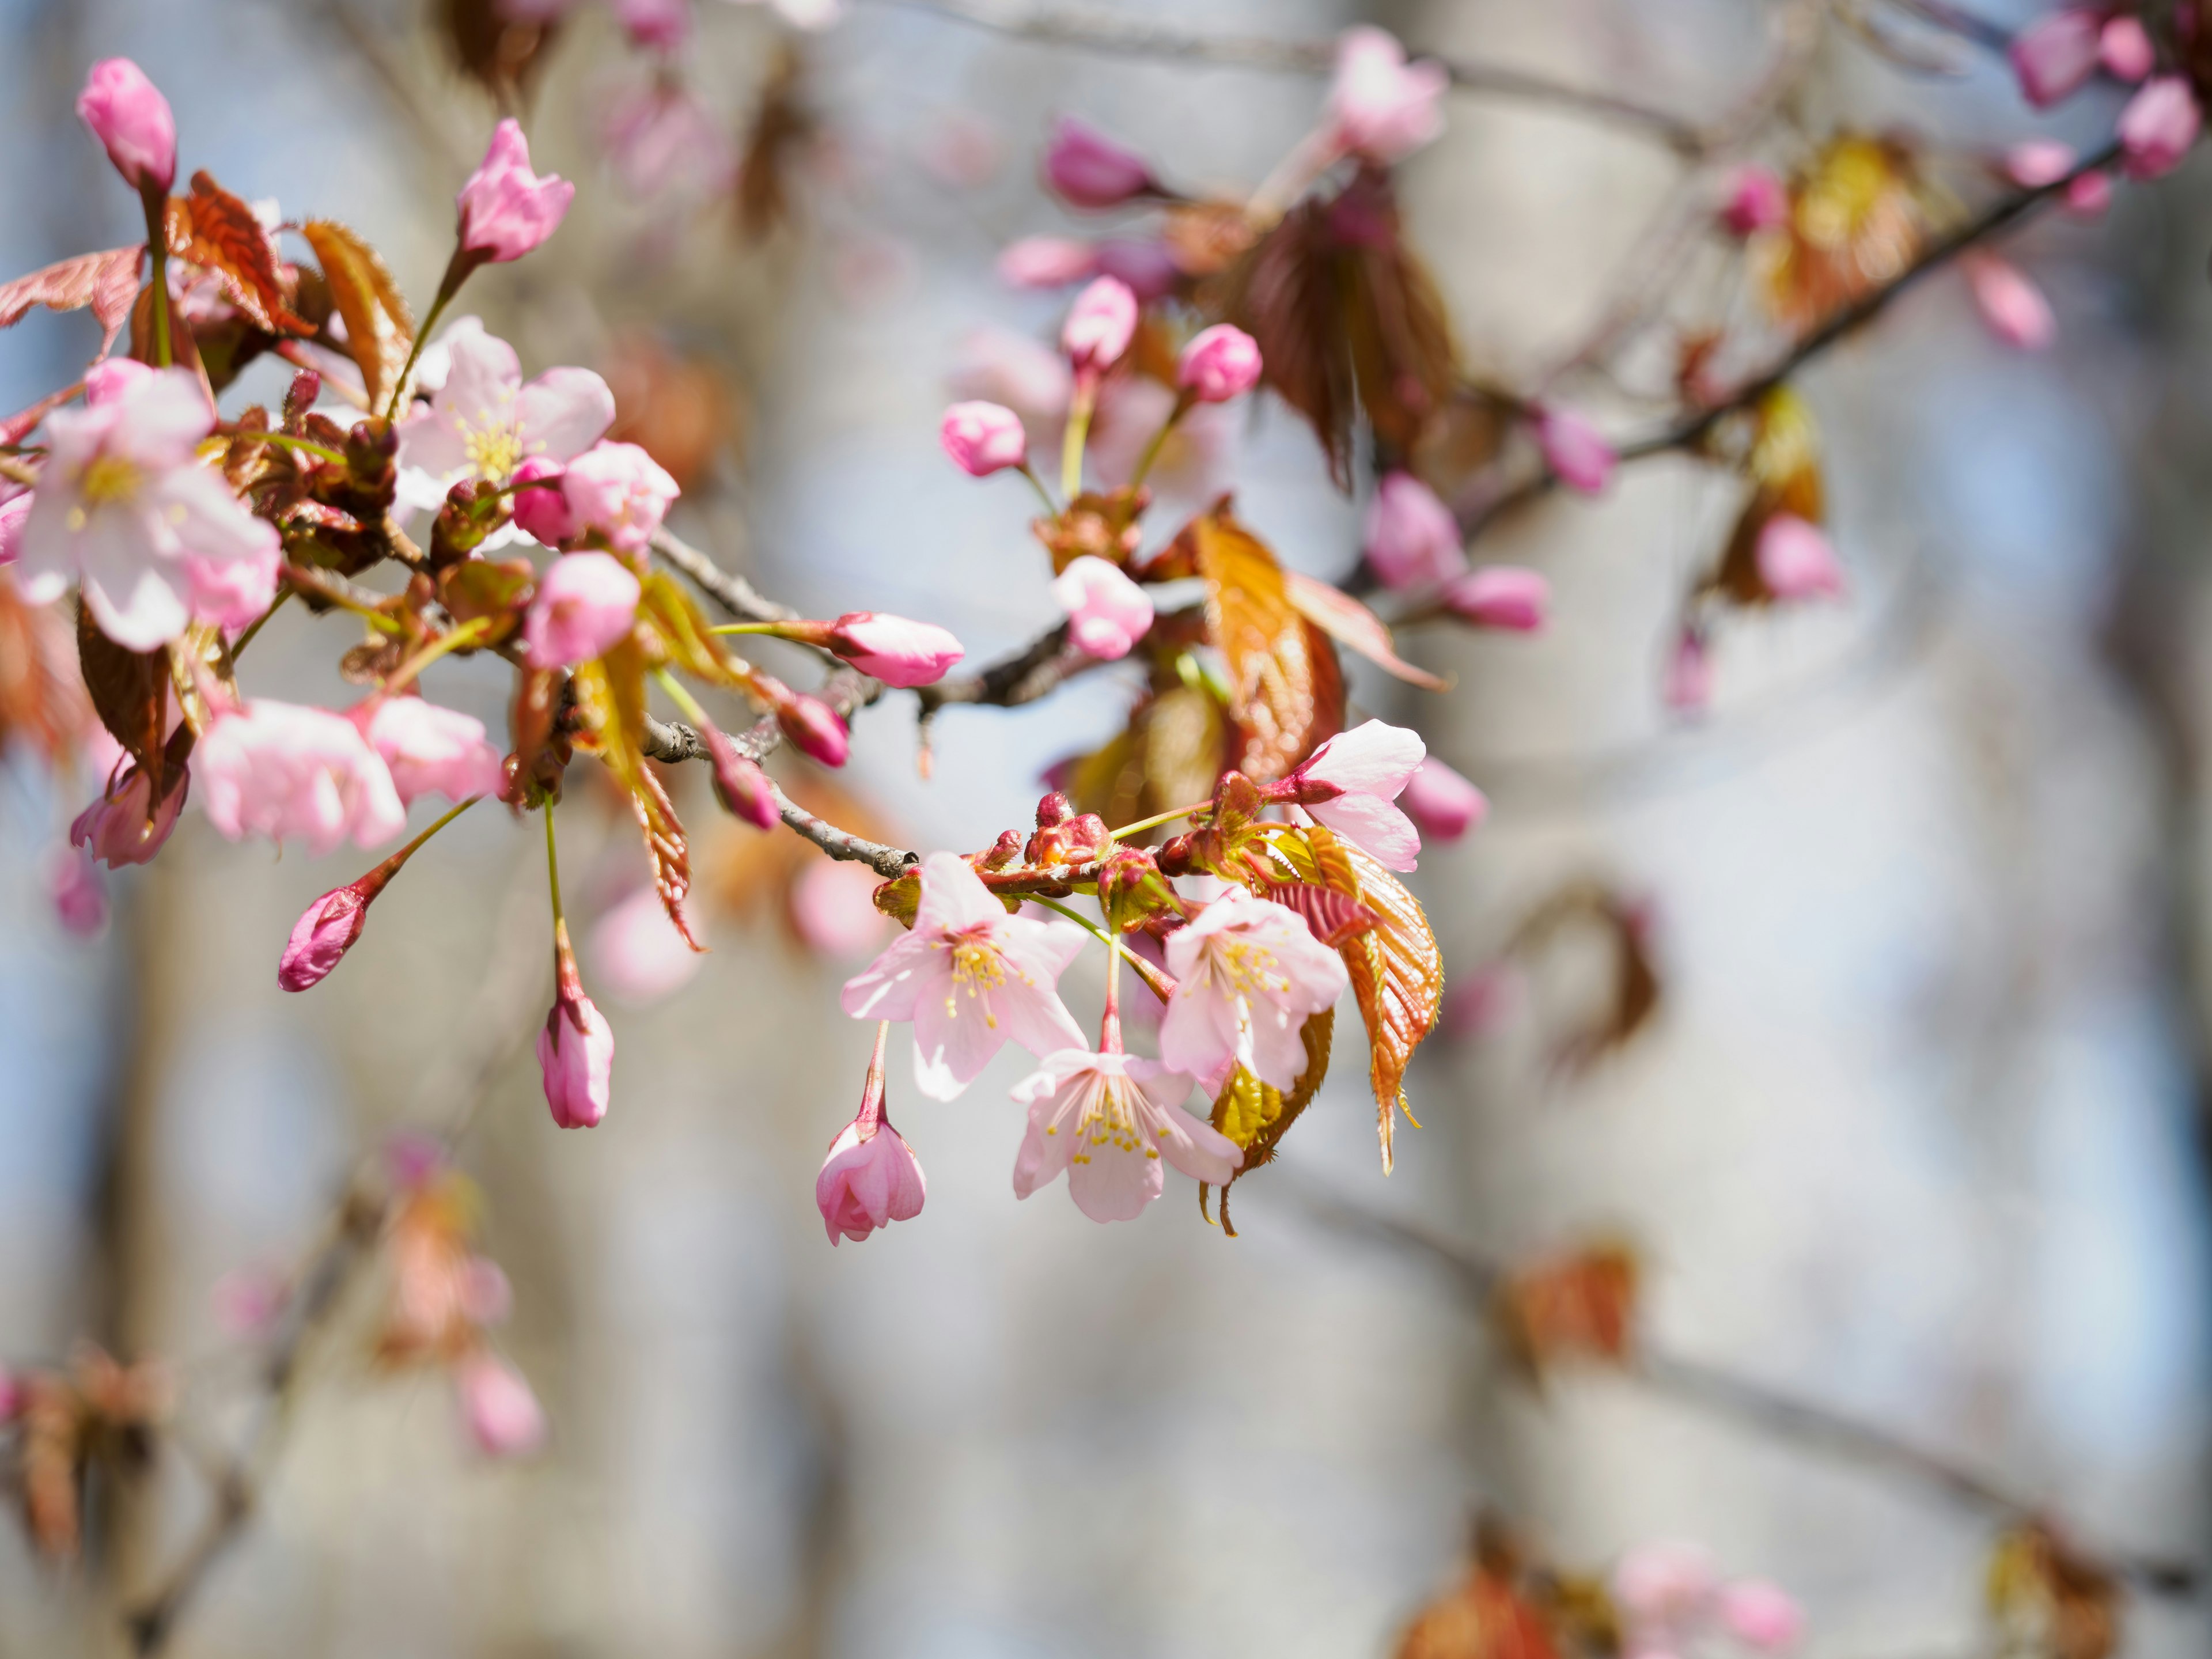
(485, 421)
(1087, 169)
(1688, 688)
(2034, 163)
(1756, 200)
(1107, 613)
(282, 769)
(1099, 326)
(433, 750)
(1669, 1586)
(1797, 561)
(116, 829)
(895, 651)
(584, 605)
(1412, 540)
(2158, 126)
(620, 493)
(868, 1183)
(1109, 1122)
(1381, 108)
(2088, 196)
(982, 438)
(659, 25)
(124, 507)
(833, 910)
(1350, 782)
(1764, 1617)
(1196, 460)
(503, 1416)
(1500, 596)
(1220, 363)
(2124, 48)
(13, 512)
(506, 209)
(2054, 55)
(660, 137)
(542, 508)
(1574, 450)
(1046, 261)
(234, 593)
(575, 1053)
(326, 930)
(970, 977)
(1248, 973)
(128, 114)
(1442, 804)
(816, 729)
(110, 378)
(2012, 306)
(637, 955)
(1145, 264)
(1000, 366)
(73, 886)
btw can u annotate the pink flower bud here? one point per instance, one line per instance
(2125, 50)
(128, 114)
(872, 1177)
(1099, 326)
(1500, 596)
(506, 209)
(1756, 200)
(1795, 561)
(1666, 1584)
(2034, 163)
(1762, 1616)
(1381, 108)
(586, 602)
(1573, 450)
(1220, 363)
(1412, 540)
(1147, 266)
(1045, 262)
(656, 25)
(1107, 612)
(620, 493)
(326, 930)
(739, 784)
(1087, 169)
(542, 510)
(576, 1051)
(983, 438)
(2053, 57)
(73, 884)
(1442, 804)
(1688, 686)
(118, 829)
(814, 728)
(897, 652)
(2158, 126)
(2087, 197)
(503, 1416)
(2013, 306)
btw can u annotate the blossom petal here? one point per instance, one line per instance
(1375, 824)
(563, 412)
(954, 898)
(1373, 758)
(1199, 1150)
(1112, 1184)
(911, 967)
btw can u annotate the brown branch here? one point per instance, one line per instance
(1035, 671)
(1739, 1399)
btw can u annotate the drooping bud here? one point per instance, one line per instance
(1413, 539)
(872, 1177)
(895, 651)
(2158, 126)
(739, 784)
(329, 927)
(812, 726)
(118, 828)
(2055, 55)
(1500, 596)
(1574, 450)
(128, 114)
(1087, 169)
(576, 1048)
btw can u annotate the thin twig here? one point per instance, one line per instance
(733, 593)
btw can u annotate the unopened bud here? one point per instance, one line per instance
(1007, 850)
(1175, 856)
(814, 728)
(328, 929)
(300, 397)
(739, 784)
(1055, 808)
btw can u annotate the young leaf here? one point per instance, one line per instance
(683, 632)
(1337, 614)
(129, 693)
(107, 282)
(1256, 1115)
(1582, 1305)
(219, 232)
(380, 328)
(1286, 690)
(611, 702)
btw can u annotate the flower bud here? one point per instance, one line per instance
(1795, 561)
(983, 438)
(1583, 460)
(1177, 855)
(813, 727)
(1053, 809)
(2055, 55)
(1007, 850)
(2158, 126)
(1442, 804)
(503, 1416)
(739, 784)
(576, 1048)
(128, 114)
(1500, 596)
(895, 651)
(506, 209)
(1077, 841)
(541, 507)
(118, 829)
(328, 929)
(1756, 200)
(872, 1177)
(1107, 612)
(1087, 169)
(1412, 540)
(1220, 363)
(1099, 326)
(2124, 47)
(2012, 306)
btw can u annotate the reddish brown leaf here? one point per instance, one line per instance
(1337, 614)
(678, 409)
(2051, 1601)
(107, 282)
(1485, 1617)
(1256, 1115)
(1580, 1306)
(129, 693)
(214, 228)
(1856, 220)
(1286, 690)
(1634, 989)
(42, 705)
(780, 132)
(380, 328)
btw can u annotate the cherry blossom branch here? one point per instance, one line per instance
(1724, 1394)
(733, 593)
(1038, 669)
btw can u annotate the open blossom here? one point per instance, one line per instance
(118, 829)
(2012, 306)
(128, 114)
(659, 136)
(1087, 169)
(282, 769)
(1381, 108)
(1797, 561)
(433, 750)
(1500, 596)
(982, 438)
(2158, 126)
(1109, 1122)
(815, 730)
(1248, 973)
(1107, 613)
(124, 505)
(575, 1048)
(1025, 376)
(485, 421)
(1220, 363)
(1099, 326)
(1756, 200)
(872, 1177)
(503, 1416)
(1412, 540)
(1577, 455)
(2034, 163)
(895, 651)
(620, 493)
(970, 977)
(584, 603)
(2055, 55)
(1442, 804)
(506, 209)
(1351, 783)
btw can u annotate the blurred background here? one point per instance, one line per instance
(1915, 1130)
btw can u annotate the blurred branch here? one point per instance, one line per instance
(1723, 1393)
(1035, 671)
(744, 602)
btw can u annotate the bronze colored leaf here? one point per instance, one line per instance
(1486, 1617)
(610, 703)
(1256, 1115)
(129, 693)
(682, 633)
(221, 232)
(1633, 994)
(503, 55)
(41, 704)
(2051, 1601)
(1856, 221)
(107, 282)
(380, 328)
(1580, 1306)
(678, 409)
(1288, 293)
(1286, 690)
(1783, 466)
(1337, 614)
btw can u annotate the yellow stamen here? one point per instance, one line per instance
(110, 480)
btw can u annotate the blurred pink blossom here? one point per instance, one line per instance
(2158, 126)
(1107, 612)
(1503, 596)
(1099, 326)
(1148, 268)
(74, 887)
(1797, 561)
(128, 114)
(1574, 450)
(433, 750)
(1756, 200)
(2012, 306)
(1442, 804)
(962, 150)
(282, 769)
(584, 603)
(2053, 56)
(982, 438)
(503, 1416)
(1381, 108)
(116, 828)
(1087, 169)
(833, 910)
(1046, 261)
(636, 952)
(1220, 363)
(1412, 540)
(2034, 163)
(2124, 48)
(1687, 687)
(661, 25)
(995, 365)
(659, 136)
(1761, 1616)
